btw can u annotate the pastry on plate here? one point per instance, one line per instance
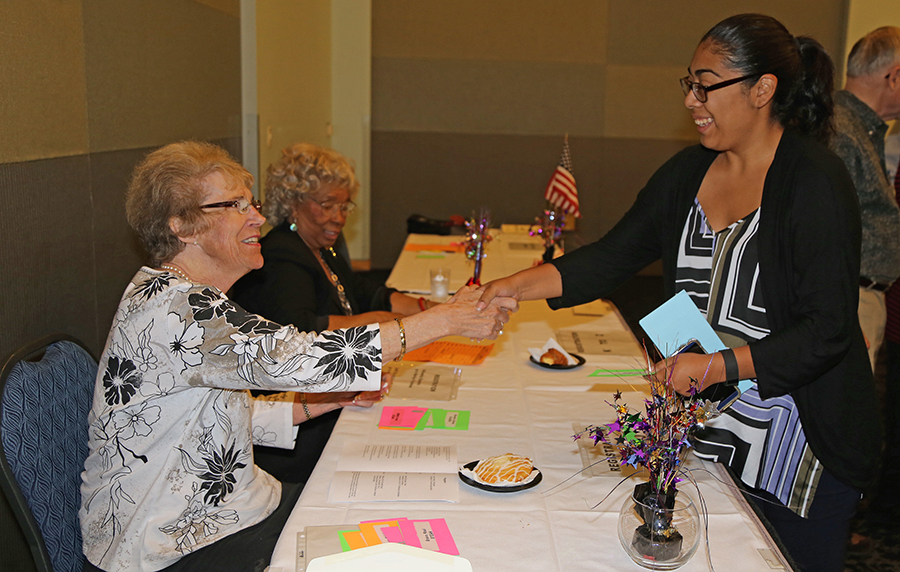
(554, 357)
(504, 469)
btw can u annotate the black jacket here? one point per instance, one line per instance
(809, 244)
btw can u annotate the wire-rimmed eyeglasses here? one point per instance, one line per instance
(701, 91)
(241, 204)
(330, 208)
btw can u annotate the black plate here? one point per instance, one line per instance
(498, 488)
(554, 366)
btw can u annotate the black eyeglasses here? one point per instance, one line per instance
(701, 91)
(241, 204)
(329, 208)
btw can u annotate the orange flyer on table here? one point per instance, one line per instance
(454, 353)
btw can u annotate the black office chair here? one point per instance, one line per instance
(44, 406)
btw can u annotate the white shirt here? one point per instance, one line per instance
(170, 467)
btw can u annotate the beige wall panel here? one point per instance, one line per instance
(646, 103)
(160, 71)
(468, 96)
(42, 98)
(652, 32)
(293, 75)
(528, 30)
(230, 7)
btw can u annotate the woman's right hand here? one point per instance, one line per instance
(504, 287)
(536, 283)
(459, 316)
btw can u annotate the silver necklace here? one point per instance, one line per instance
(177, 271)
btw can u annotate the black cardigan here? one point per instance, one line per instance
(292, 288)
(809, 244)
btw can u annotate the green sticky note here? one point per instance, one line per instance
(456, 420)
(617, 373)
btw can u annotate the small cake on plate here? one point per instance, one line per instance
(504, 469)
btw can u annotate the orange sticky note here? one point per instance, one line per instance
(354, 539)
(453, 353)
(373, 530)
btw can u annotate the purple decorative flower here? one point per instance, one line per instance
(656, 438)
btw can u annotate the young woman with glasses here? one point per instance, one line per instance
(759, 223)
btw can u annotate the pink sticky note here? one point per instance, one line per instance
(392, 534)
(401, 417)
(433, 534)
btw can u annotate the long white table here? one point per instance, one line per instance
(505, 254)
(522, 408)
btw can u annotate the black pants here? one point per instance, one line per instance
(249, 550)
(817, 543)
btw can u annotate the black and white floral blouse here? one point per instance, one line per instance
(170, 467)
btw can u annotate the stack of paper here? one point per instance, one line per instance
(395, 473)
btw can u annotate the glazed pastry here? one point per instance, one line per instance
(554, 357)
(508, 468)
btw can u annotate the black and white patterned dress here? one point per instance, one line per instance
(761, 440)
(170, 468)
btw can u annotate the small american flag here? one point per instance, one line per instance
(561, 191)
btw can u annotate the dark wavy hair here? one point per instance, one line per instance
(755, 44)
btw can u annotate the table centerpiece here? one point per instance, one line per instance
(659, 529)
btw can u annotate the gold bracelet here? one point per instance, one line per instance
(402, 339)
(305, 406)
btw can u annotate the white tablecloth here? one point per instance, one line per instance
(521, 408)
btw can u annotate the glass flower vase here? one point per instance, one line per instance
(659, 531)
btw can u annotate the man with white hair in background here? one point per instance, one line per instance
(871, 97)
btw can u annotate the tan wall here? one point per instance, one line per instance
(89, 86)
(351, 107)
(510, 77)
(144, 84)
(293, 42)
(43, 101)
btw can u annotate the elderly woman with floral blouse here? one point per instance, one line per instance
(169, 482)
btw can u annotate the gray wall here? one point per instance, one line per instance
(121, 79)
(471, 99)
(88, 88)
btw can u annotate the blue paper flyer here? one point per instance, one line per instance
(678, 322)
